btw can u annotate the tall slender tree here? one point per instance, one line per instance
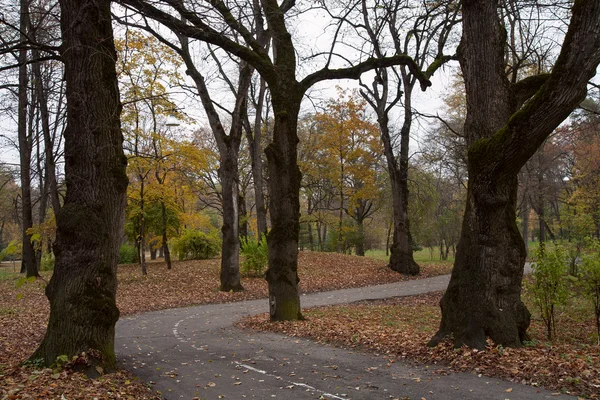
(287, 91)
(28, 263)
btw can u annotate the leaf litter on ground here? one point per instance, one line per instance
(24, 314)
(399, 329)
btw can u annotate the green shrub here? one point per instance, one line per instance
(590, 279)
(256, 257)
(128, 254)
(550, 285)
(12, 248)
(47, 262)
(196, 245)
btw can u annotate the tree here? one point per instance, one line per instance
(287, 92)
(350, 151)
(505, 125)
(28, 263)
(82, 290)
(432, 25)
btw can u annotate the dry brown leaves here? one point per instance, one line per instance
(400, 328)
(24, 314)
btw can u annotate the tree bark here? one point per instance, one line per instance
(254, 143)
(28, 263)
(525, 223)
(230, 251)
(243, 217)
(401, 257)
(483, 298)
(360, 244)
(165, 240)
(284, 188)
(142, 239)
(83, 309)
(228, 146)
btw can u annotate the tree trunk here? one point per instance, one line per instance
(311, 240)
(142, 227)
(230, 251)
(243, 217)
(484, 294)
(284, 184)
(82, 290)
(525, 224)
(401, 258)
(165, 240)
(152, 253)
(42, 100)
(257, 163)
(229, 146)
(28, 263)
(360, 244)
(490, 250)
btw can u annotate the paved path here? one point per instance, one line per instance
(195, 352)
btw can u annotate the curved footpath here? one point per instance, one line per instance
(195, 352)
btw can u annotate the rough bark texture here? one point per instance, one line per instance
(483, 297)
(230, 251)
(284, 188)
(82, 290)
(28, 263)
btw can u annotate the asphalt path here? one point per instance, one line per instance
(196, 353)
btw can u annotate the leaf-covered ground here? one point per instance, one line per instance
(399, 329)
(24, 314)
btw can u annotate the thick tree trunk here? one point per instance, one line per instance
(83, 309)
(525, 224)
(483, 296)
(284, 184)
(153, 254)
(28, 263)
(230, 251)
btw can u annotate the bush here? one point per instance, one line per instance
(47, 262)
(256, 257)
(590, 280)
(549, 288)
(196, 245)
(128, 254)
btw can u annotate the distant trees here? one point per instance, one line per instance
(341, 154)
(287, 91)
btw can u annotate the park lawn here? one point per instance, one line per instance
(399, 328)
(24, 314)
